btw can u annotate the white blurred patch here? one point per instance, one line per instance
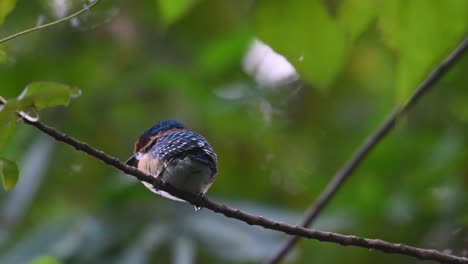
(76, 168)
(301, 58)
(267, 110)
(267, 67)
(40, 20)
(75, 22)
(234, 91)
(59, 7)
(400, 208)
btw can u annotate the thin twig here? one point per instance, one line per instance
(87, 8)
(369, 144)
(345, 240)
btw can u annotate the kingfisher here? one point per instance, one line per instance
(176, 155)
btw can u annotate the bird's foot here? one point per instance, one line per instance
(199, 199)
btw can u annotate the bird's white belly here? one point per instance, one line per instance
(186, 175)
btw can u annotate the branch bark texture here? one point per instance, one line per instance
(370, 143)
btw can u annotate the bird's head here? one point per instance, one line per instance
(149, 137)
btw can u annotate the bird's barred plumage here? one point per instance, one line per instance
(180, 144)
(177, 156)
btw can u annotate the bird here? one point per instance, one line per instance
(173, 153)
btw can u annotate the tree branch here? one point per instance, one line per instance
(344, 240)
(356, 159)
(87, 8)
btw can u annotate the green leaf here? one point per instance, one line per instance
(423, 32)
(173, 10)
(303, 32)
(45, 260)
(7, 112)
(6, 131)
(38, 95)
(5, 117)
(9, 173)
(48, 94)
(355, 16)
(6, 6)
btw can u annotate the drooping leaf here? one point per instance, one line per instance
(6, 131)
(173, 10)
(422, 32)
(6, 6)
(48, 94)
(305, 34)
(9, 173)
(7, 112)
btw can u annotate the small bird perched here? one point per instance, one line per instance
(176, 155)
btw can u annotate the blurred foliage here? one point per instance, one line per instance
(279, 138)
(306, 35)
(6, 6)
(45, 260)
(171, 11)
(8, 173)
(407, 24)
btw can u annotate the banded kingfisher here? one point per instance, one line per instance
(178, 156)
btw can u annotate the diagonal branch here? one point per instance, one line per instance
(53, 23)
(356, 159)
(345, 240)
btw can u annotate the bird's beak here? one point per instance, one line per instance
(132, 161)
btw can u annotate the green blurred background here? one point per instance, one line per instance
(280, 134)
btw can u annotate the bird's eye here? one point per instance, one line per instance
(138, 155)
